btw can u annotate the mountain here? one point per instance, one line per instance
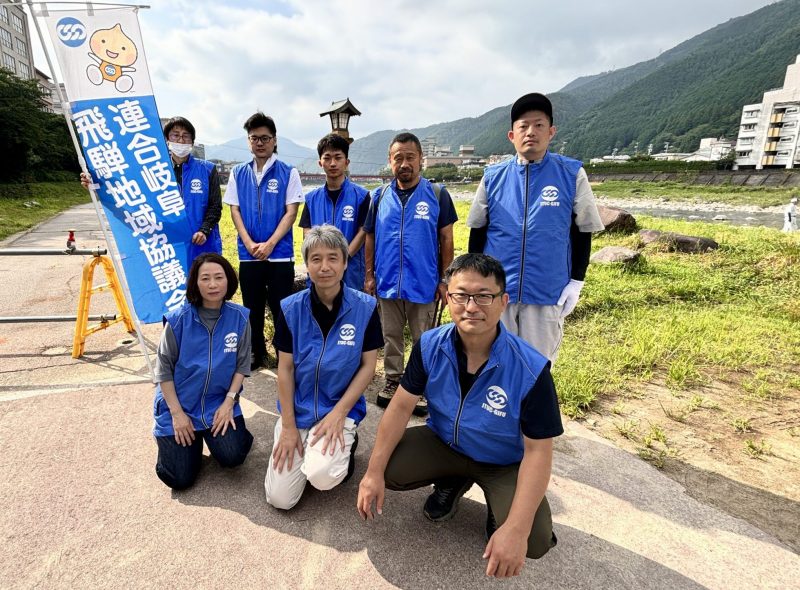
(694, 90)
(238, 150)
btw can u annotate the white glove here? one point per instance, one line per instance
(569, 297)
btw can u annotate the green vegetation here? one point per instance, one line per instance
(678, 191)
(24, 205)
(682, 319)
(33, 143)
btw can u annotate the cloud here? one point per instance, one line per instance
(402, 63)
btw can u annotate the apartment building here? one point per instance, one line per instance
(16, 54)
(769, 130)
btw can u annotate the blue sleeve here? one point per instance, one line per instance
(447, 211)
(415, 379)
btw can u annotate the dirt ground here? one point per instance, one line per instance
(729, 449)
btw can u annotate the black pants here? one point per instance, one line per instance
(264, 283)
(421, 458)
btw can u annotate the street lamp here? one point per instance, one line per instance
(340, 113)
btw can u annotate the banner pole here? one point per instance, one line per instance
(111, 244)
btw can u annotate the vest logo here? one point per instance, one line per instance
(272, 186)
(197, 186)
(346, 334)
(71, 31)
(422, 211)
(348, 213)
(231, 342)
(496, 400)
(549, 196)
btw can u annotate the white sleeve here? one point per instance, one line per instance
(479, 212)
(584, 206)
(294, 190)
(231, 194)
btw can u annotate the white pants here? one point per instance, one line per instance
(321, 471)
(540, 326)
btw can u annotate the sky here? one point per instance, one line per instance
(403, 63)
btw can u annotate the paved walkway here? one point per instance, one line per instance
(81, 506)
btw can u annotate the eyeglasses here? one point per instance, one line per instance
(482, 299)
(260, 138)
(180, 137)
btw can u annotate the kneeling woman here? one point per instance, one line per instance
(203, 358)
(327, 338)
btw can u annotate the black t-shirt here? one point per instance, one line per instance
(363, 210)
(539, 417)
(373, 336)
(447, 211)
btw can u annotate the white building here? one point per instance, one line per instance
(711, 149)
(768, 134)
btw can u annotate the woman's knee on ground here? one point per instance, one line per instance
(282, 497)
(177, 479)
(231, 449)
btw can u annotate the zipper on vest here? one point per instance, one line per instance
(402, 226)
(319, 363)
(457, 422)
(524, 235)
(208, 373)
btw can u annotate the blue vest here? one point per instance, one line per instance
(486, 425)
(345, 218)
(205, 367)
(407, 244)
(263, 206)
(323, 369)
(530, 215)
(195, 177)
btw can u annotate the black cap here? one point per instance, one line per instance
(531, 102)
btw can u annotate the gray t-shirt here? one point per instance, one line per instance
(167, 354)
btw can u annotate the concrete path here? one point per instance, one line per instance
(82, 507)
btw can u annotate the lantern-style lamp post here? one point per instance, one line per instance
(340, 113)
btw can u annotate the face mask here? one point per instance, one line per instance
(180, 150)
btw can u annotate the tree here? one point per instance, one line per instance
(32, 142)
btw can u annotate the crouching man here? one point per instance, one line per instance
(493, 414)
(327, 338)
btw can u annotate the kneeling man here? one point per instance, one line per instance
(493, 413)
(327, 337)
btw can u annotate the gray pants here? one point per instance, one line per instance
(540, 326)
(421, 458)
(395, 313)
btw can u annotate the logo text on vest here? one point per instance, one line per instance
(197, 186)
(231, 342)
(496, 400)
(549, 196)
(421, 211)
(348, 213)
(347, 332)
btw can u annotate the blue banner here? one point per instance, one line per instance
(114, 113)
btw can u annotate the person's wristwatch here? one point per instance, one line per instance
(234, 395)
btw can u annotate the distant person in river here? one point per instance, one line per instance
(536, 213)
(790, 216)
(203, 358)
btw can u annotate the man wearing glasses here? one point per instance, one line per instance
(493, 413)
(264, 196)
(199, 184)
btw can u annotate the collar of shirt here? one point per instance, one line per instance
(461, 356)
(522, 161)
(266, 167)
(326, 317)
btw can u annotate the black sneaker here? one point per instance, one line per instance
(491, 523)
(421, 409)
(442, 504)
(385, 396)
(352, 465)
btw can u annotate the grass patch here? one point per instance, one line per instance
(50, 198)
